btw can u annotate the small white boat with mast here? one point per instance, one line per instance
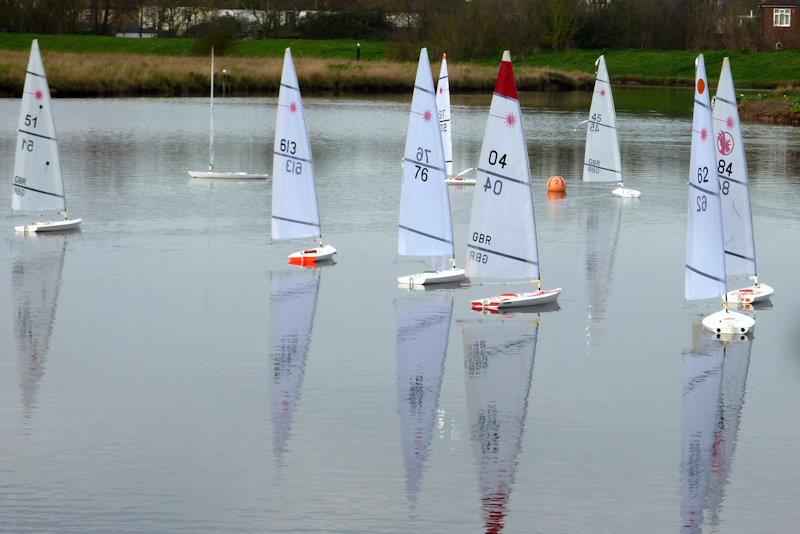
(602, 161)
(705, 249)
(211, 173)
(446, 127)
(295, 213)
(737, 219)
(426, 227)
(502, 228)
(38, 183)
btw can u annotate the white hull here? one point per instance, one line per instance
(433, 277)
(211, 175)
(624, 192)
(457, 180)
(313, 255)
(750, 295)
(727, 322)
(518, 300)
(49, 226)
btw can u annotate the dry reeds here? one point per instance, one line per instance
(134, 75)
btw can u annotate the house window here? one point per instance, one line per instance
(781, 17)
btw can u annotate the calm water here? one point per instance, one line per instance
(166, 370)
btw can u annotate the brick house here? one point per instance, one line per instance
(780, 23)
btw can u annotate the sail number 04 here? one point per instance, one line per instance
(496, 186)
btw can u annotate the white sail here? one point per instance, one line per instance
(295, 213)
(734, 382)
(292, 303)
(705, 256)
(445, 125)
(501, 243)
(35, 284)
(211, 118)
(426, 228)
(38, 185)
(423, 327)
(601, 161)
(499, 366)
(731, 168)
(702, 379)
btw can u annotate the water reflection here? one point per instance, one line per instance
(35, 281)
(498, 357)
(715, 373)
(423, 327)
(292, 303)
(602, 219)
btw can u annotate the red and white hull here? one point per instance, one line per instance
(518, 300)
(312, 255)
(750, 295)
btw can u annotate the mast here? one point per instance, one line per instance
(211, 118)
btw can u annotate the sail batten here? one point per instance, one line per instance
(737, 219)
(705, 251)
(602, 161)
(38, 183)
(425, 227)
(295, 212)
(502, 231)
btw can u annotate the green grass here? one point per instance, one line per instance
(751, 69)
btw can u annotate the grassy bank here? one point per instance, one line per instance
(85, 65)
(87, 74)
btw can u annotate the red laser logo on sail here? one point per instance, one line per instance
(703, 134)
(602, 92)
(511, 120)
(293, 107)
(427, 116)
(724, 143)
(729, 122)
(39, 94)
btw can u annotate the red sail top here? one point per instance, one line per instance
(506, 85)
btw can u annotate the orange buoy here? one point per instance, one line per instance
(556, 184)
(556, 195)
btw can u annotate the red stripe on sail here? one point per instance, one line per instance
(506, 85)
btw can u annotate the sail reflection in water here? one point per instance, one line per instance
(423, 327)
(35, 281)
(602, 218)
(734, 381)
(292, 302)
(498, 356)
(713, 392)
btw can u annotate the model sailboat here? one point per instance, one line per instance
(446, 127)
(38, 184)
(502, 232)
(602, 162)
(425, 228)
(295, 214)
(705, 251)
(731, 168)
(211, 173)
